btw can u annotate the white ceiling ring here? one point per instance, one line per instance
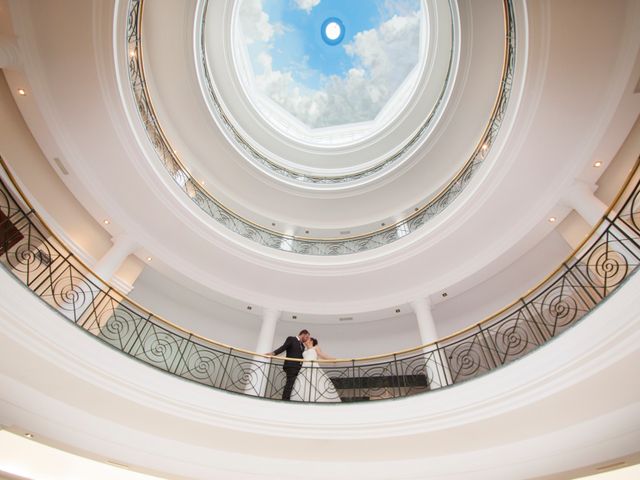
(301, 244)
(338, 153)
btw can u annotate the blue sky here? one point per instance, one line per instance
(320, 84)
(301, 40)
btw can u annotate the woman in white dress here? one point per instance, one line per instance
(312, 383)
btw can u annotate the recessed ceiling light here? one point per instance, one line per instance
(444, 294)
(397, 310)
(249, 307)
(597, 164)
(28, 435)
(149, 259)
(273, 224)
(22, 92)
(416, 209)
(294, 317)
(552, 219)
(306, 231)
(382, 224)
(332, 31)
(106, 222)
(202, 182)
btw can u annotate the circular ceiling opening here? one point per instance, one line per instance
(329, 66)
(328, 94)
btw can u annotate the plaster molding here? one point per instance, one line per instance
(609, 338)
(608, 335)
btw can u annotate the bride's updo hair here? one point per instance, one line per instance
(314, 341)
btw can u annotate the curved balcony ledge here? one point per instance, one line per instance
(569, 400)
(605, 260)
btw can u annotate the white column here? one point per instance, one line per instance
(436, 362)
(259, 375)
(108, 265)
(603, 261)
(9, 52)
(267, 333)
(580, 197)
(426, 324)
(87, 296)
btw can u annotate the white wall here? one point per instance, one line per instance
(22, 153)
(618, 169)
(194, 312)
(41, 182)
(503, 288)
(214, 320)
(347, 340)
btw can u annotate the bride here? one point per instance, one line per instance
(312, 383)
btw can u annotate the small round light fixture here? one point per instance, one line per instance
(445, 294)
(22, 92)
(149, 259)
(106, 221)
(597, 164)
(552, 219)
(397, 310)
(332, 31)
(28, 435)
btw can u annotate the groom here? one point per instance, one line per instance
(294, 346)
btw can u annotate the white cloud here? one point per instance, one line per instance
(255, 22)
(307, 5)
(382, 58)
(389, 52)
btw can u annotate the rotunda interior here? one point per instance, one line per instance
(444, 194)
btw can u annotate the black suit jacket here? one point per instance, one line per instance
(294, 349)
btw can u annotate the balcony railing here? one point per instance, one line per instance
(38, 259)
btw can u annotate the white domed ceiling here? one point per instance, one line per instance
(140, 160)
(320, 99)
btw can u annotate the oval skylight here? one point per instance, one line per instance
(329, 72)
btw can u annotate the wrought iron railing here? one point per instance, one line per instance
(38, 259)
(426, 210)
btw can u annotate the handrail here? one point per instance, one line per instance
(589, 274)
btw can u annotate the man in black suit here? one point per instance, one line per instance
(294, 346)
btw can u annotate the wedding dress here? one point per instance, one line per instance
(312, 384)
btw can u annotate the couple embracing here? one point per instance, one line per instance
(305, 380)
